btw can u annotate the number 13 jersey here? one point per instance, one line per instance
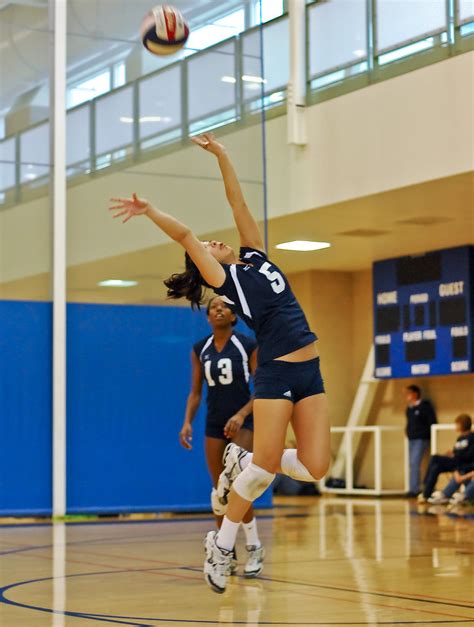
(259, 293)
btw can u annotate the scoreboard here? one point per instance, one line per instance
(424, 314)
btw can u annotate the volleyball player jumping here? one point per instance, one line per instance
(225, 360)
(288, 382)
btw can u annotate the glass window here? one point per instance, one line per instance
(114, 121)
(34, 151)
(7, 159)
(337, 35)
(119, 74)
(211, 82)
(466, 10)
(88, 89)
(400, 22)
(269, 10)
(160, 102)
(221, 29)
(77, 136)
(275, 59)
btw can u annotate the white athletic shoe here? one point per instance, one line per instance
(231, 459)
(217, 564)
(217, 507)
(438, 498)
(457, 498)
(233, 564)
(254, 565)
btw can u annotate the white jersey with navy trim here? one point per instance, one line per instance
(227, 374)
(258, 291)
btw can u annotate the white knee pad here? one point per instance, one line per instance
(217, 507)
(252, 482)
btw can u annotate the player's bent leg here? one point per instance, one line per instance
(311, 426)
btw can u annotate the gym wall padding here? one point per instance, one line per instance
(129, 371)
(127, 383)
(25, 408)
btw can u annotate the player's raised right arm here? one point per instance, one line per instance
(246, 224)
(210, 269)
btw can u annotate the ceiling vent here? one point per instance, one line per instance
(424, 221)
(364, 233)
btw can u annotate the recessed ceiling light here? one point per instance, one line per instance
(117, 283)
(249, 78)
(303, 245)
(229, 79)
(359, 53)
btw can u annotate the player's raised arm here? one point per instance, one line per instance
(210, 269)
(246, 224)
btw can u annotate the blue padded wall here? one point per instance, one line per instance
(128, 379)
(25, 408)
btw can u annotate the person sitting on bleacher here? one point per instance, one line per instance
(459, 458)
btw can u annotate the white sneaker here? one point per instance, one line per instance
(217, 564)
(438, 498)
(231, 459)
(233, 564)
(254, 565)
(217, 507)
(457, 498)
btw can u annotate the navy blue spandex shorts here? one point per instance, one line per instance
(292, 381)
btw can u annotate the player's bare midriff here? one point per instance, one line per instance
(302, 354)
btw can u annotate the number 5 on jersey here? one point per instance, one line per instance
(276, 280)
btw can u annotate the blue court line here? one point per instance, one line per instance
(126, 620)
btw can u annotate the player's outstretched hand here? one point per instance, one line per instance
(129, 207)
(209, 143)
(233, 426)
(186, 436)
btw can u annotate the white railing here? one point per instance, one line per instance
(435, 429)
(378, 489)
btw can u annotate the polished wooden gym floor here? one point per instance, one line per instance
(329, 562)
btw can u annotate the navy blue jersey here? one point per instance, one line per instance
(227, 374)
(260, 294)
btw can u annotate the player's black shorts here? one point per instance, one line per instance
(215, 429)
(292, 381)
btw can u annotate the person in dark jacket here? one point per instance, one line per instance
(460, 458)
(420, 416)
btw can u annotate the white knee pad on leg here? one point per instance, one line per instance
(217, 507)
(252, 482)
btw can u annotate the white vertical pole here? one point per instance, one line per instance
(297, 83)
(57, 86)
(378, 461)
(349, 466)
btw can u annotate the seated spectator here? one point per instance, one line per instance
(448, 494)
(459, 458)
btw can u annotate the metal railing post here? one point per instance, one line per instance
(349, 468)
(378, 461)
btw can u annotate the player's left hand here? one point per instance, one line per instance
(233, 426)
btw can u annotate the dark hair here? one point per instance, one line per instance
(465, 421)
(415, 389)
(188, 284)
(208, 308)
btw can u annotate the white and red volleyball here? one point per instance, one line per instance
(164, 30)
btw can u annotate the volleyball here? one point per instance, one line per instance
(164, 30)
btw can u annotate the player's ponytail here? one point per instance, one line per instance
(187, 284)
